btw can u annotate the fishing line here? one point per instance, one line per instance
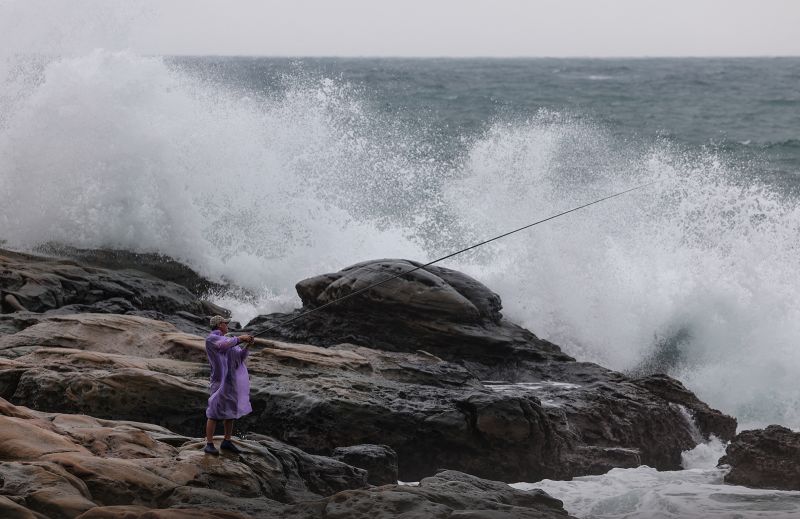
(353, 294)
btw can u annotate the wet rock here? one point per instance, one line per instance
(428, 368)
(764, 458)
(41, 284)
(157, 265)
(429, 291)
(436, 310)
(673, 391)
(447, 495)
(380, 461)
(555, 416)
(67, 466)
(432, 412)
(120, 334)
(61, 465)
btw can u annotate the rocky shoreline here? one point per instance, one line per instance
(421, 378)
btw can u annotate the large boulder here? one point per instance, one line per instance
(764, 458)
(410, 290)
(433, 309)
(571, 417)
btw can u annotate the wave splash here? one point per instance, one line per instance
(696, 276)
(119, 151)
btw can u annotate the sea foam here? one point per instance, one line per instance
(695, 275)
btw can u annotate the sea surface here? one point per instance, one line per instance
(263, 171)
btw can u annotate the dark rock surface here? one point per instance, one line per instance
(380, 461)
(427, 292)
(673, 391)
(157, 265)
(63, 466)
(447, 495)
(434, 309)
(764, 458)
(64, 286)
(426, 366)
(555, 416)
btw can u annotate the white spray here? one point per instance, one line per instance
(105, 148)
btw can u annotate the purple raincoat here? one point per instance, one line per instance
(230, 383)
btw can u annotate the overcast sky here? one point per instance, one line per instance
(474, 28)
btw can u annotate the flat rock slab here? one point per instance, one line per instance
(107, 333)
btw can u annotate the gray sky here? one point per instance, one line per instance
(474, 28)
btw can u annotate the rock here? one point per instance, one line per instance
(155, 265)
(764, 458)
(140, 512)
(112, 391)
(120, 334)
(432, 412)
(68, 466)
(46, 488)
(15, 305)
(447, 495)
(548, 416)
(436, 310)
(428, 368)
(429, 291)
(11, 510)
(41, 284)
(673, 391)
(17, 321)
(48, 285)
(25, 439)
(62, 465)
(380, 461)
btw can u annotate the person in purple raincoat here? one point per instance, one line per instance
(230, 383)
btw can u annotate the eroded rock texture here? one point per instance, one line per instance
(425, 365)
(551, 416)
(66, 466)
(764, 458)
(64, 286)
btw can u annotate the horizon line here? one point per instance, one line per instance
(399, 56)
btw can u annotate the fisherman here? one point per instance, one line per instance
(230, 383)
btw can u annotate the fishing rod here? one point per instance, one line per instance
(353, 294)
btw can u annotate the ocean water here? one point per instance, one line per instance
(262, 171)
(697, 492)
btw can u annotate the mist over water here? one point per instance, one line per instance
(266, 181)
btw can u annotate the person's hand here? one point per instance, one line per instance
(246, 338)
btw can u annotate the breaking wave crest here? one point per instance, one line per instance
(695, 275)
